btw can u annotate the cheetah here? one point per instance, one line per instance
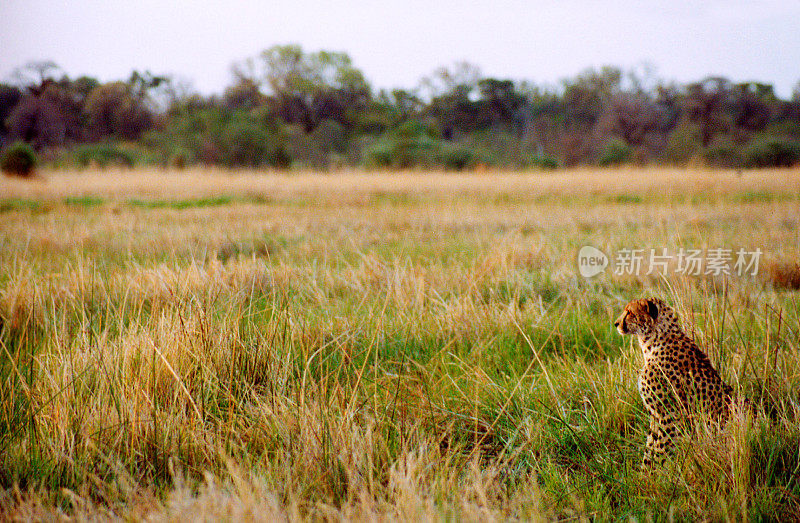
(677, 381)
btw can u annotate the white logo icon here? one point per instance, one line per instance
(591, 261)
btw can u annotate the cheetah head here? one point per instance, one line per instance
(640, 317)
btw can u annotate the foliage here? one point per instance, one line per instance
(18, 159)
(542, 162)
(101, 155)
(772, 152)
(39, 120)
(307, 88)
(247, 143)
(723, 152)
(180, 158)
(404, 152)
(9, 98)
(586, 95)
(322, 148)
(683, 144)
(704, 104)
(615, 153)
(316, 109)
(114, 109)
(413, 144)
(216, 136)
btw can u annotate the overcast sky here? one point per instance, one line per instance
(396, 43)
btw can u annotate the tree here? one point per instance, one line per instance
(500, 102)
(631, 116)
(243, 95)
(140, 85)
(704, 104)
(459, 80)
(35, 75)
(38, 120)
(388, 110)
(453, 98)
(668, 100)
(586, 96)
(244, 141)
(306, 88)
(9, 98)
(117, 109)
(50, 111)
(542, 115)
(751, 105)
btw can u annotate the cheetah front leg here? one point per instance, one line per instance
(659, 441)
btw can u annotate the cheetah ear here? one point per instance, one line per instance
(652, 309)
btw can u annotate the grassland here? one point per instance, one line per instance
(209, 345)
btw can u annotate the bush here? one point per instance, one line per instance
(772, 152)
(457, 157)
(615, 153)
(785, 128)
(683, 144)
(180, 158)
(247, 143)
(322, 148)
(723, 152)
(542, 162)
(237, 138)
(413, 144)
(19, 159)
(329, 136)
(404, 152)
(101, 155)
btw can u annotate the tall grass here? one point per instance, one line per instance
(380, 347)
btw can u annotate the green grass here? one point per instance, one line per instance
(17, 204)
(84, 201)
(350, 355)
(180, 204)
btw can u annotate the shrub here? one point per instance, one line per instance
(237, 138)
(785, 128)
(683, 144)
(180, 158)
(457, 158)
(19, 159)
(542, 162)
(723, 152)
(413, 144)
(615, 153)
(101, 155)
(252, 144)
(772, 152)
(404, 152)
(415, 129)
(321, 148)
(329, 136)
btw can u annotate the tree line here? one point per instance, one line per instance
(287, 107)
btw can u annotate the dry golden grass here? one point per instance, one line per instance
(348, 186)
(217, 345)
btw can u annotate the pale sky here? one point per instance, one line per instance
(396, 43)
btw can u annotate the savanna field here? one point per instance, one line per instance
(210, 344)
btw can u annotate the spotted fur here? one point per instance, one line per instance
(677, 382)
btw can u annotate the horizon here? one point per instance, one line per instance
(739, 41)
